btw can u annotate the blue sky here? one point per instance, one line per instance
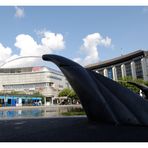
(85, 34)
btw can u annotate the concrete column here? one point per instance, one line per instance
(133, 69)
(44, 101)
(114, 74)
(105, 72)
(52, 100)
(123, 71)
(144, 69)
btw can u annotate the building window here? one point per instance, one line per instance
(110, 73)
(128, 69)
(54, 77)
(9, 101)
(138, 68)
(100, 71)
(118, 70)
(60, 86)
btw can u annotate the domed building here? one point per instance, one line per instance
(30, 80)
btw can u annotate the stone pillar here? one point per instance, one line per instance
(44, 101)
(114, 74)
(123, 71)
(52, 98)
(105, 72)
(144, 69)
(133, 69)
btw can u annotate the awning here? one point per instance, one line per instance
(2, 97)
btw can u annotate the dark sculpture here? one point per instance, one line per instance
(143, 87)
(103, 99)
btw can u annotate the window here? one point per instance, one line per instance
(60, 86)
(110, 73)
(1, 101)
(118, 70)
(9, 101)
(138, 68)
(128, 69)
(54, 77)
(101, 71)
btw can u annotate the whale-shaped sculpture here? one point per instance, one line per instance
(103, 99)
(143, 87)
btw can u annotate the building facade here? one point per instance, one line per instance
(30, 80)
(133, 65)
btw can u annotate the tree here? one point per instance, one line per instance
(73, 95)
(66, 92)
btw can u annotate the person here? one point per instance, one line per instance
(142, 94)
(40, 102)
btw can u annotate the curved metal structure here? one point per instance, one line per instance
(103, 99)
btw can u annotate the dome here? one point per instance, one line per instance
(27, 61)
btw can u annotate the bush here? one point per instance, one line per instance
(123, 82)
(66, 92)
(74, 111)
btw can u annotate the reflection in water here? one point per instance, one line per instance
(25, 113)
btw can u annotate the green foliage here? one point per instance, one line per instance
(123, 82)
(66, 92)
(73, 95)
(74, 112)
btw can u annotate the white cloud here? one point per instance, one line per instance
(78, 60)
(27, 45)
(106, 41)
(90, 48)
(5, 53)
(19, 12)
(53, 41)
(50, 42)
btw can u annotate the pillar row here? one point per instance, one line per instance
(144, 69)
(114, 74)
(133, 69)
(105, 72)
(123, 71)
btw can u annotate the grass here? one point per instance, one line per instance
(74, 112)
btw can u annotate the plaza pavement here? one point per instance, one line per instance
(68, 129)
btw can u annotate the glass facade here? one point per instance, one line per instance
(118, 70)
(135, 65)
(24, 86)
(138, 68)
(9, 100)
(128, 69)
(101, 71)
(110, 73)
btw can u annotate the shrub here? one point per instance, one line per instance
(123, 82)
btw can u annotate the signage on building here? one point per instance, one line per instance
(36, 69)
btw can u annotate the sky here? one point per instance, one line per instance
(85, 34)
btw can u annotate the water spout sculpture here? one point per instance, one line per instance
(103, 99)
